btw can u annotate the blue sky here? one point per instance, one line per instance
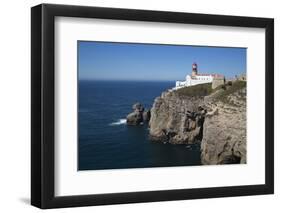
(153, 62)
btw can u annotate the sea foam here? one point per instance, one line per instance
(119, 122)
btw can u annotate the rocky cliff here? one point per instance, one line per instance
(200, 114)
(176, 119)
(224, 135)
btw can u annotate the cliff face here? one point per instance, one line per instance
(176, 119)
(224, 135)
(216, 118)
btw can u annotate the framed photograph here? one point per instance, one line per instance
(139, 106)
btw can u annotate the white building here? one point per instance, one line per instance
(196, 78)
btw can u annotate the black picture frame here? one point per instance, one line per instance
(43, 111)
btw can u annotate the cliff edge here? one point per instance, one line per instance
(216, 118)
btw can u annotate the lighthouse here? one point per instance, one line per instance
(199, 78)
(194, 70)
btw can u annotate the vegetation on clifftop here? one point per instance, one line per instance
(196, 90)
(230, 89)
(202, 90)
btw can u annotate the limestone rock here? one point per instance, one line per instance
(224, 134)
(134, 118)
(138, 107)
(176, 120)
(217, 121)
(146, 116)
(138, 116)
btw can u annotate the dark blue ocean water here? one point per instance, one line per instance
(106, 142)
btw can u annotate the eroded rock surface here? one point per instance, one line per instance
(176, 120)
(138, 116)
(217, 120)
(224, 134)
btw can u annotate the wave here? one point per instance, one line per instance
(119, 122)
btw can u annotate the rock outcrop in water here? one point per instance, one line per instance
(138, 116)
(216, 118)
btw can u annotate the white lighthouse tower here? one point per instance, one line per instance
(194, 70)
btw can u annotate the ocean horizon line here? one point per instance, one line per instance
(126, 80)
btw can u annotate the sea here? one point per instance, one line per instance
(106, 142)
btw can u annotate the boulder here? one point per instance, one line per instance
(134, 118)
(138, 107)
(138, 116)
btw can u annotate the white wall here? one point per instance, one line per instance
(15, 105)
